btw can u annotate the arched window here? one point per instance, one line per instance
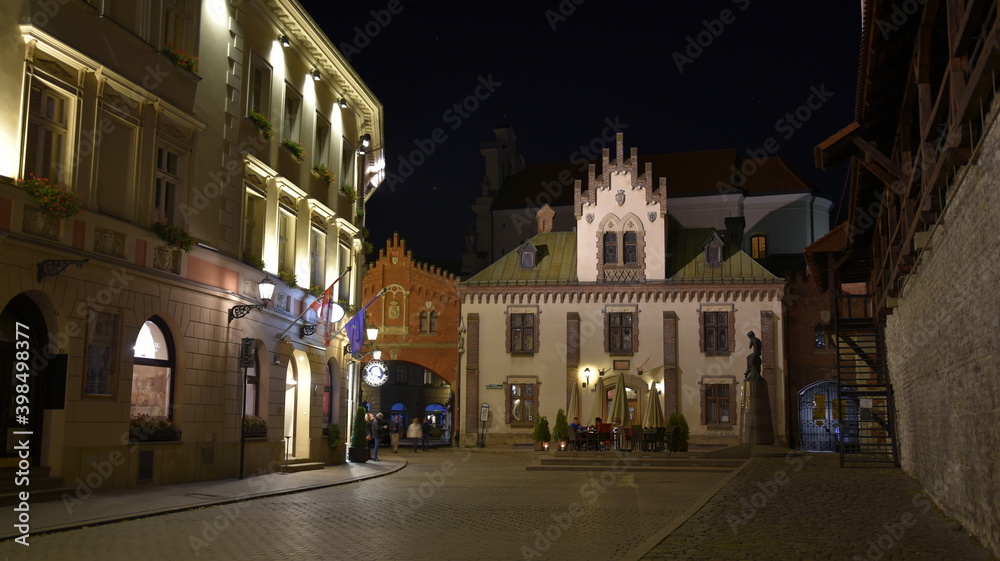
(631, 253)
(424, 323)
(758, 246)
(434, 322)
(153, 371)
(610, 248)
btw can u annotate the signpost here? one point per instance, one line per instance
(484, 415)
(246, 361)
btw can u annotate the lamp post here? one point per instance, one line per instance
(372, 334)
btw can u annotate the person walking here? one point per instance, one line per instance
(376, 433)
(394, 433)
(425, 434)
(414, 431)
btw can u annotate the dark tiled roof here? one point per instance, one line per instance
(688, 174)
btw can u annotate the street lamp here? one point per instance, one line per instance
(266, 288)
(586, 373)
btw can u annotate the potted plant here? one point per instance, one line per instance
(679, 438)
(324, 173)
(262, 124)
(51, 198)
(174, 236)
(540, 434)
(288, 278)
(254, 426)
(295, 148)
(335, 441)
(151, 428)
(180, 58)
(560, 431)
(358, 451)
(253, 261)
(349, 192)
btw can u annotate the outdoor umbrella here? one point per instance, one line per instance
(574, 403)
(619, 403)
(600, 408)
(654, 410)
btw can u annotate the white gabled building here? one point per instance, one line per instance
(630, 290)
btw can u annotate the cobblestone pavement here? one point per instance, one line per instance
(808, 508)
(450, 504)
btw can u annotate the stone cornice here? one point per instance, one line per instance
(610, 293)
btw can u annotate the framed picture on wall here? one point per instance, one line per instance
(101, 359)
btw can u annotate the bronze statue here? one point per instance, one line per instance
(753, 359)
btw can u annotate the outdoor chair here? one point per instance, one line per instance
(574, 439)
(604, 436)
(638, 439)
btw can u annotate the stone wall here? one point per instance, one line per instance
(942, 344)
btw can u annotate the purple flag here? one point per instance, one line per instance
(356, 331)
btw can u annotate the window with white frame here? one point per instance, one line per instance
(167, 184)
(47, 146)
(286, 239)
(346, 282)
(253, 225)
(317, 257)
(428, 377)
(253, 387)
(321, 150)
(259, 90)
(177, 23)
(290, 124)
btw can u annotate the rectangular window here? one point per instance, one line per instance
(47, 151)
(317, 258)
(286, 240)
(522, 333)
(428, 377)
(167, 184)
(521, 404)
(402, 374)
(260, 87)
(347, 163)
(321, 150)
(620, 326)
(253, 226)
(115, 164)
(424, 322)
(177, 23)
(716, 326)
(253, 383)
(717, 404)
(293, 106)
(344, 286)
(758, 246)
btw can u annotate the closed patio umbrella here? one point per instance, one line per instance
(619, 403)
(600, 407)
(654, 410)
(574, 403)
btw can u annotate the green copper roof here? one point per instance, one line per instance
(689, 262)
(555, 263)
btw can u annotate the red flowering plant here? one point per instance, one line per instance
(53, 199)
(180, 58)
(174, 236)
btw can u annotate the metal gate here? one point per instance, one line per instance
(820, 417)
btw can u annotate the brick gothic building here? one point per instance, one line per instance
(418, 321)
(921, 240)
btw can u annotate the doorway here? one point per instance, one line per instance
(820, 415)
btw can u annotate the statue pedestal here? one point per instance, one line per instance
(755, 413)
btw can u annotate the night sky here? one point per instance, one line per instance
(673, 75)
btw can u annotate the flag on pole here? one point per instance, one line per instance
(356, 331)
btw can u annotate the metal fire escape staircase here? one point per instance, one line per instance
(868, 433)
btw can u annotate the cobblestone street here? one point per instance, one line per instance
(446, 505)
(453, 504)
